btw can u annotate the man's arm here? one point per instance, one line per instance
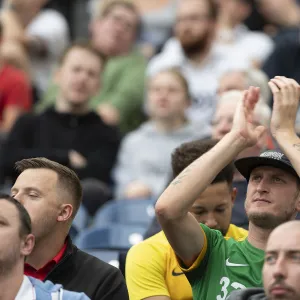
(181, 228)
(286, 93)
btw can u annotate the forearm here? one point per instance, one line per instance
(177, 199)
(289, 143)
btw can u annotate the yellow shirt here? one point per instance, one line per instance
(152, 268)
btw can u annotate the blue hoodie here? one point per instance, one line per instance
(49, 291)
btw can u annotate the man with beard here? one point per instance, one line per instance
(17, 242)
(193, 51)
(213, 266)
(281, 271)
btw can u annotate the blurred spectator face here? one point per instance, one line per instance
(79, 76)
(223, 119)
(167, 97)
(274, 10)
(37, 190)
(232, 81)
(115, 33)
(12, 244)
(281, 271)
(236, 10)
(194, 26)
(214, 207)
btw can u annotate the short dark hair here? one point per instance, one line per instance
(188, 152)
(83, 45)
(67, 178)
(24, 218)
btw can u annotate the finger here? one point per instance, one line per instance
(293, 87)
(286, 90)
(259, 131)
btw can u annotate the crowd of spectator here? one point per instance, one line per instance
(114, 111)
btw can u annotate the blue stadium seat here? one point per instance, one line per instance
(114, 236)
(81, 219)
(109, 256)
(138, 212)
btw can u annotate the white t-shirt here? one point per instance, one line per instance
(51, 27)
(26, 291)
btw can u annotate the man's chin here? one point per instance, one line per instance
(266, 220)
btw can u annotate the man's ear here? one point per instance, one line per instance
(66, 211)
(27, 244)
(233, 195)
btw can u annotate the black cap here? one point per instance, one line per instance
(270, 158)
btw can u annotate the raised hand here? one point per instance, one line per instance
(286, 94)
(243, 119)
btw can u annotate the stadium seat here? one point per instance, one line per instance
(81, 219)
(137, 212)
(114, 236)
(109, 256)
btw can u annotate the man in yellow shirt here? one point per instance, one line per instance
(152, 271)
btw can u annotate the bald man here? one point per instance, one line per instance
(281, 271)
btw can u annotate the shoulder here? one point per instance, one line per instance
(156, 246)
(49, 15)
(15, 76)
(143, 132)
(237, 233)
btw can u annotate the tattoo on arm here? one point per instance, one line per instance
(297, 146)
(184, 173)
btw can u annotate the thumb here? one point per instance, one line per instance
(259, 131)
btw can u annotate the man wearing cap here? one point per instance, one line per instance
(216, 267)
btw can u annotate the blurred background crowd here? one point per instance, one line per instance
(110, 88)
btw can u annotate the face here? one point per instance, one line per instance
(214, 207)
(115, 33)
(194, 28)
(272, 197)
(281, 271)
(167, 97)
(79, 77)
(232, 81)
(36, 189)
(12, 246)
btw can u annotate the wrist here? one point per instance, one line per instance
(285, 136)
(237, 141)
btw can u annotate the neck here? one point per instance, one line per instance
(257, 236)
(225, 22)
(169, 125)
(11, 282)
(64, 106)
(42, 253)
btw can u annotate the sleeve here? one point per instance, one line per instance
(145, 270)
(124, 171)
(212, 244)
(19, 93)
(52, 28)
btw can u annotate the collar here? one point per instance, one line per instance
(47, 268)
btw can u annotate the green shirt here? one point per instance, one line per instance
(224, 266)
(122, 86)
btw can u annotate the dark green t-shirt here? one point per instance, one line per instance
(224, 266)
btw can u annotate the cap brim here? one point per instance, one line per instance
(247, 164)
